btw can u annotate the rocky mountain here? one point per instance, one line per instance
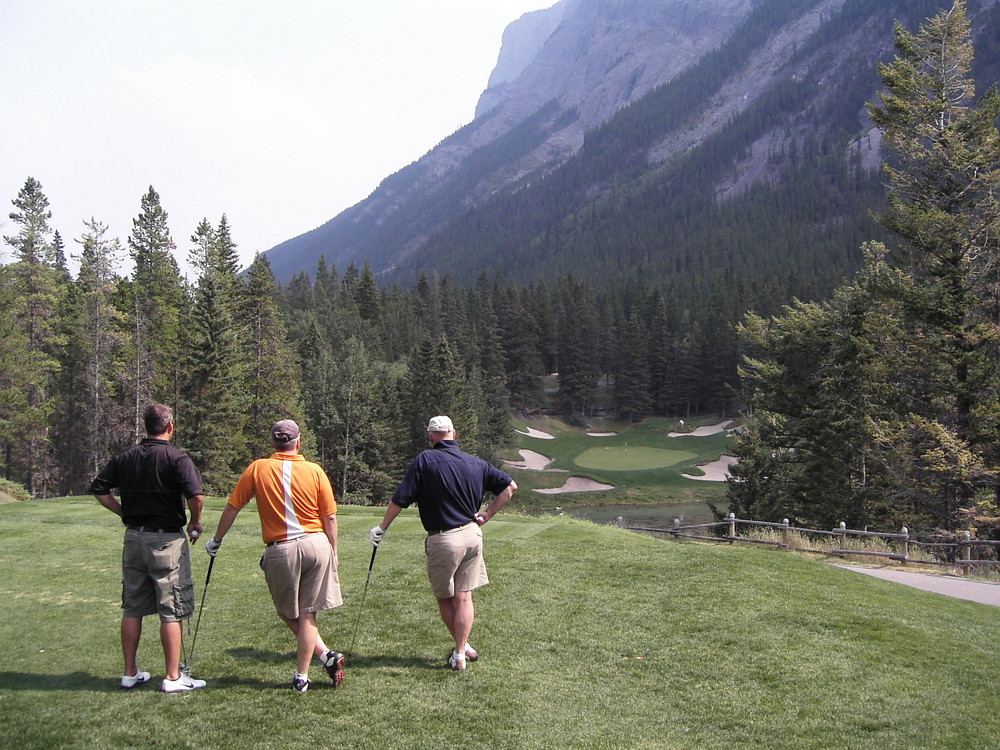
(668, 133)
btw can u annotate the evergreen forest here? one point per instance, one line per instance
(362, 367)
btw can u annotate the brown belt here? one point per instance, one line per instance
(285, 541)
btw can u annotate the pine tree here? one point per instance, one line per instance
(944, 203)
(37, 284)
(157, 301)
(214, 371)
(273, 382)
(632, 383)
(364, 460)
(92, 424)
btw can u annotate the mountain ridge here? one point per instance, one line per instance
(790, 77)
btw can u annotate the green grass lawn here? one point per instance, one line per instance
(642, 463)
(591, 637)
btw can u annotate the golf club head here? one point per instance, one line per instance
(185, 669)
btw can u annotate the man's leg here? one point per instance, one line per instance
(171, 636)
(458, 614)
(131, 633)
(306, 638)
(320, 648)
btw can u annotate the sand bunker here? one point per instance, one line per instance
(705, 431)
(717, 471)
(533, 462)
(602, 434)
(578, 484)
(536, 434)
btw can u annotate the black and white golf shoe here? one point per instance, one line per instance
(334, 663)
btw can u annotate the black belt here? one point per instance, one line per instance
(453, 528)
(285, 541)
(151, 530)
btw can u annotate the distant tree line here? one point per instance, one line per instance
(363, 367)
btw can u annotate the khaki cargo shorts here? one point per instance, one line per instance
(156, 575)
(302, 575)
(455, 560)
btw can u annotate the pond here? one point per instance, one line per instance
(653, 516)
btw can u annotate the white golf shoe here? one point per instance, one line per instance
(138, 678)
(182, 685)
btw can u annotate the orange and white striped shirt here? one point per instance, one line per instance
(293, 495)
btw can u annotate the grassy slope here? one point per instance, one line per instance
(591, 637)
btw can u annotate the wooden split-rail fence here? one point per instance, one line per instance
(964, 553)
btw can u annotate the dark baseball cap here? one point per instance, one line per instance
(285, 431)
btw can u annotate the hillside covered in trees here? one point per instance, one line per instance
(882, 405)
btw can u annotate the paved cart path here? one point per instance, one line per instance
(960, 588)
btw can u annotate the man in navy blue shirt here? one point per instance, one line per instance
(448, 487)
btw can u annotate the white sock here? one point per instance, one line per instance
(301, 676)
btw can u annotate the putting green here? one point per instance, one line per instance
(630, 459)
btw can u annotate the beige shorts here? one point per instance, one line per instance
(156, 576)
(455, 560)
(302, 575)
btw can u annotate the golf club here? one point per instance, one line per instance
(357, 622)
(189, 656)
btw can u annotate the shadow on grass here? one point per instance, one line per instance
(388, 661)
(60, 682)
(357, 661)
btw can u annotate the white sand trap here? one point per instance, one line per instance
(602, 434)
(532, 461)
(578, 484)
(705, 431)
(536, 434)
(717, 471)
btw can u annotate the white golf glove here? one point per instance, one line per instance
(375, 535)
(212, 547)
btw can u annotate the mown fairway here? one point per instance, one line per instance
(592, 637)
(643, 463)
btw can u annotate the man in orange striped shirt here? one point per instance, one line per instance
(298, 521)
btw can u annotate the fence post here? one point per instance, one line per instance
(906, 544)
(843, 535)
(732, 525)
(677, 525)
(967, 552)
(784, 532)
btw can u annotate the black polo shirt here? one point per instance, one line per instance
(448, 486)
(154, 479)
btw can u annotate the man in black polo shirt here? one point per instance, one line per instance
(154, 479)
(448, 487)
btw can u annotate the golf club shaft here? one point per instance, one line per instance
(368, 578)
(197, 626)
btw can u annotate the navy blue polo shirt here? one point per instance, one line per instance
(448, 486)
(154, 479)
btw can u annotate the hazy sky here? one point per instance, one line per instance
(277, 114)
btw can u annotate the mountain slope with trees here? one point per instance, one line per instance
(758, 156)
(883, 405)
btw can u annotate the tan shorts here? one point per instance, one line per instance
(156, 576)
(302, 575)
(455, 560)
